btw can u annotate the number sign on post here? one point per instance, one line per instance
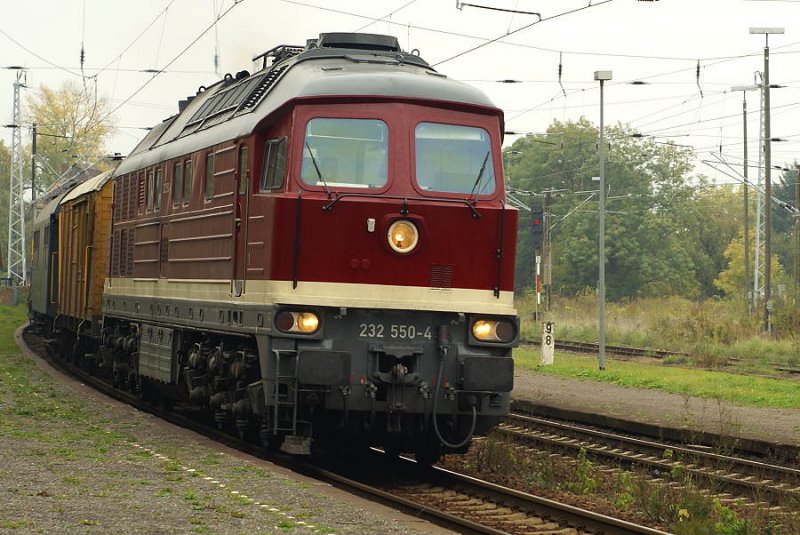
(548, 342)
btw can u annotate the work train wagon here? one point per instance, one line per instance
(319, 251)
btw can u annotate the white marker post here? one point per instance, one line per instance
(548, 342)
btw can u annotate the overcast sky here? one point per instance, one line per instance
(657, 42)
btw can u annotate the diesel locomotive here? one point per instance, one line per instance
(316, 253)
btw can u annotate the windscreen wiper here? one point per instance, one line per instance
(475, 190)
(319, 173)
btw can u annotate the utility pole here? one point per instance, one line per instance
(767, 182)
(33, 165)
(602, 76)
(746, 236)
(796, 262)
(17, 269)
(748, 296)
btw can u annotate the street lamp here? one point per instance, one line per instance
(602, 76)
(767, 182)
(747, 296)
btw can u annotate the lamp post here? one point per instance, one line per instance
(767, 182)
(602, 77)
(747, 295)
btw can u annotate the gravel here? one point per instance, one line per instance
(781, 426)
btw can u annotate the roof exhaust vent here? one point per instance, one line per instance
(359, 41)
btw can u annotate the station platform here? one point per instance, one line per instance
(658, 414)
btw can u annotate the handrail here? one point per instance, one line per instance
(52, 274)
(340, 196)
(86, 277)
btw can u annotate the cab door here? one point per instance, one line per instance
(240, 217)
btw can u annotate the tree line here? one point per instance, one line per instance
(669, 229)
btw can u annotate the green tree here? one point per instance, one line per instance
(714, 220)
(731, 279)
(72, 123)
(646, 184)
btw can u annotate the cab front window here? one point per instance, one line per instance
(454, 159)
(345, 153)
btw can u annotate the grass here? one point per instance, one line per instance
(710, 331)
(736, 388)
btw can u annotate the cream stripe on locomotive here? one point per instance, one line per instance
(319, 293)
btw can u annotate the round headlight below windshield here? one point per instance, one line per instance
(493, 331)
(295, 322)
(307, 322)
(403, 236)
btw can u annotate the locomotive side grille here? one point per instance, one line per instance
(223, 101)
(241, 97)
(140, 193)
(441, 276)
(267, 81)
(116, 243)
(129, 256)
(130, 199)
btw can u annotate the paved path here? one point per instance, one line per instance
(656, 407)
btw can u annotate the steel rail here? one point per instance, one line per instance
(773, 479)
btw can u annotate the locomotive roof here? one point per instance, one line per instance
(43, 214)
(338, 64)
(93, 184)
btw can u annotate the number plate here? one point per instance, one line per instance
(394, 331)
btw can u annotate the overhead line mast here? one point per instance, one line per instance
(17, 267)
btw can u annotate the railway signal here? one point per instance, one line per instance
(537, 219)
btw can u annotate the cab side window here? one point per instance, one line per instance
(274, 165)
(177, 183)
(209, 184)
(187, 181)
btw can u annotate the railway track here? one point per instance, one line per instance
(744, 478)
(474, 505)
(468, 504)
(628, 351)
(592, 347)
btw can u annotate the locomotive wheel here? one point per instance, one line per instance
(428, 451)
(392, 448)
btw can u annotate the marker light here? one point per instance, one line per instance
(493, 331)
(403, 236)
(297, 322)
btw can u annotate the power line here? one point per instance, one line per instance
(367, 25)
(31, 52)
(174, 59)
(541, 19)
(136, 39)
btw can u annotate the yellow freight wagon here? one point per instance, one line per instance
(84, 225)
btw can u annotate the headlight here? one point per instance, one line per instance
(493, 331)
(403, 236)
(297, 322)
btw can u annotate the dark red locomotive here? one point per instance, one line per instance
(321, 250)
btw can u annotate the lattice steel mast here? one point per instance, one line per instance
(17, 267)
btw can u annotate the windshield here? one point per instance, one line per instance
(345, 152)
(450, 159)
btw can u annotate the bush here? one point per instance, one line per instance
(713, 330)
